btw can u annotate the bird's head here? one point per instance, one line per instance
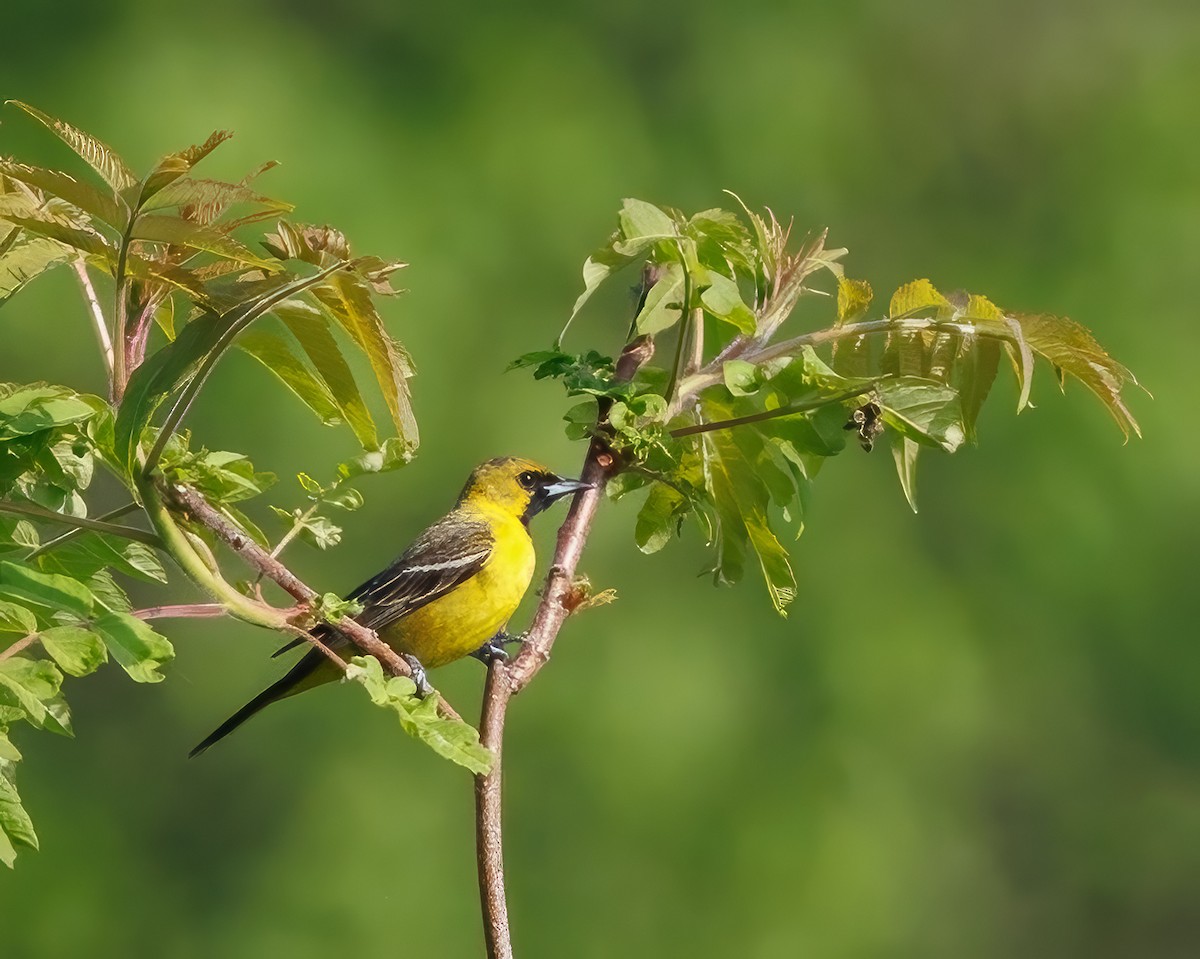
(517, 486)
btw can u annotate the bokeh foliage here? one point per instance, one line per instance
(975, 734)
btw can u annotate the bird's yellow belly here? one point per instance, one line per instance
(464, 619)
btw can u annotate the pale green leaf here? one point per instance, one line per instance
(133, 644)
(77, 651)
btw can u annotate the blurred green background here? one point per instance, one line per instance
(978, 732)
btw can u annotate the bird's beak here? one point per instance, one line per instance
(558, 488)
(548, 491)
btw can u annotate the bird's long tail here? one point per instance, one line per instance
(304, 675)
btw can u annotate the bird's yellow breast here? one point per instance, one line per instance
(468, 616)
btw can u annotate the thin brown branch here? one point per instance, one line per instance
(19, 646)
(189, 502)
(89, 294)
(505, 680)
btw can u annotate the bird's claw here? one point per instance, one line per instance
(420, 680)
(493, 650)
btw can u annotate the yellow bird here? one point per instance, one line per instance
(451, 593)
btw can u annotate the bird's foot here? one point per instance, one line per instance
(418, 675)
(493, 649)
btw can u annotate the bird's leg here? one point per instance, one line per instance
(418, 675)
(494, 648)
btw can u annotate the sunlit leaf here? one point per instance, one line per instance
(664, 302)
(724, 300)
(175, 165)
(179, 232)
(311, 329)
(275, 353)
(98, 155)
(25, 261)
(80, 238)
(1071, 348)
(349, 302)
(99, 204)
(451, 739)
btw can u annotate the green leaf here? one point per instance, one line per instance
(101, 205)
(453, 740)
(320, 532)
(190, 358)
(596, 269)
(77, 651)
(275, 353)
(918, 297)
(741, 500)
(658, 519)
(393, 454)
(179, 232)
(203, 201)
(91, 552)
(15, 823)
(664, 305)
(8, 752)
(16, 619)
(175, 165)
(99, 156)
(137, 647)
(741, 378)
(922, 410)
(905, 452)
(81, 238)
(35, 409)
(349, 301)
(1073, 351)
(641, 221)
(311, 329)
(724, 300)
(853, 298)
(29, 684)
(46, 590)
(25, 261)
(108, 594)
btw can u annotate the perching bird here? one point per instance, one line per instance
(451, 592)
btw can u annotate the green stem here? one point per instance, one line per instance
(120, 374)
(245, 316)
(770, 414)
(686, 319)
(712, 374)
(196, 569)
(81, 522)
(79, 531)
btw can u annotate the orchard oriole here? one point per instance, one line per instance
(450, 593)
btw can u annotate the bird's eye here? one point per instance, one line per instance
(527, 479)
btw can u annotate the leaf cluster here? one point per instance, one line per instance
(172, 281)
(733, 422)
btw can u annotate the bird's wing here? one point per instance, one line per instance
(446, 555)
